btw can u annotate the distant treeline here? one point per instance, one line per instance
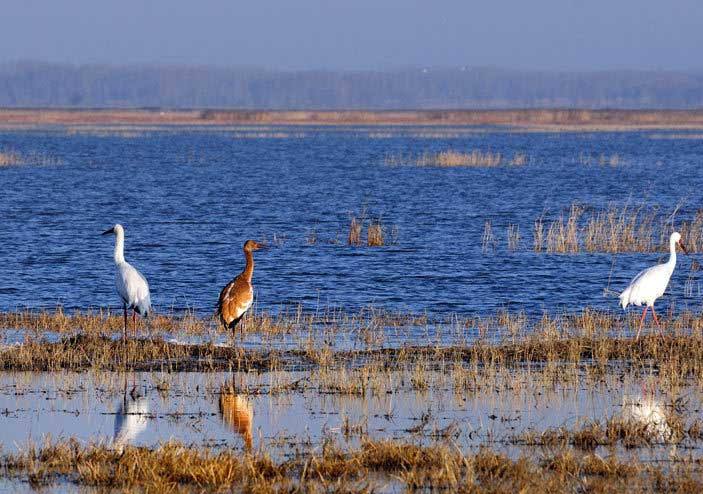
(33, 84)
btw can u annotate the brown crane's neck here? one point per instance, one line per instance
(249, 268)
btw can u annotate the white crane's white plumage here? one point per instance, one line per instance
(651, 283)
(132, 287)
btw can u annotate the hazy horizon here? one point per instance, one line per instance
(218, 66)
(545, 35)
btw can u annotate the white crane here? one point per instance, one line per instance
(131, 285)
(651, 283)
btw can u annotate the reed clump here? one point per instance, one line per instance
(452, 158)
(614, 230)
(13, 158)
(377, 234)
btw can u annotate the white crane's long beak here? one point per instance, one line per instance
(107, 232)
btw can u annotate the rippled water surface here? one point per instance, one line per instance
(189, 198)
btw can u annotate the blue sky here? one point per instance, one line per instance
(358, 34)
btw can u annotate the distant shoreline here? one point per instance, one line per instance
(536, 119)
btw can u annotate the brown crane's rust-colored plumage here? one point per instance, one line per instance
(237, 296)
(238, 413)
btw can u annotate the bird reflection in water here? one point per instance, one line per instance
(237, 413)
(645, 410)
(130, 419)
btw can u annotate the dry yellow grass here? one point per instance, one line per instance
(506, 340)
(615, 229)
(371, 466)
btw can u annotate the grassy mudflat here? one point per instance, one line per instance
(566, 403)
(547, 119)
(54, 340)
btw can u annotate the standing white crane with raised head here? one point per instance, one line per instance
(131, 285)
(651, 283)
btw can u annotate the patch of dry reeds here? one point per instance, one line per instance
(173, 466)
(513, 237)
(377, 234)
(452, 158)
(614, 230)
(488, 242)
(13, 158)
(600, 159)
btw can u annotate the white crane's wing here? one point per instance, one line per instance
(648, 284)
(132, 286)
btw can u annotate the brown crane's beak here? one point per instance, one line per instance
(683, 247)
(259, 245)
(107, 232)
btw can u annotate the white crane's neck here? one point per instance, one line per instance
(119, 247)
(672, 253)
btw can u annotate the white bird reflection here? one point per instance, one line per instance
(647, 411)
(130, 420)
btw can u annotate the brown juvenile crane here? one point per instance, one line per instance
(237, 296)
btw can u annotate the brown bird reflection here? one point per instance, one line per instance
(237, 413)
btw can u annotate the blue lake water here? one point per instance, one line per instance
(189, 199)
